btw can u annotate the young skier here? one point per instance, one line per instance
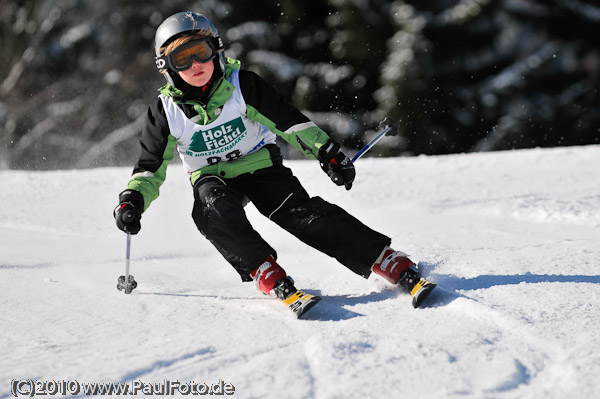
(223, 122)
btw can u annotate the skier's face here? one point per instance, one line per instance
(198, 74)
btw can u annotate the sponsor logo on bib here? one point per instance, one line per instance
(219, 139)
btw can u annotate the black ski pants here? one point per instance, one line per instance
(219, 215)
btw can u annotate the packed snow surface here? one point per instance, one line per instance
(512, 239)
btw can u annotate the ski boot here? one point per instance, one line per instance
(398, 269)
(272, 280)
(267, 274)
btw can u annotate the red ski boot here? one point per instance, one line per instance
(272, 280)
(391, 265)
(397, 268)
(266, 276)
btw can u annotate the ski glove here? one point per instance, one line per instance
(129, 211)
(336, 164)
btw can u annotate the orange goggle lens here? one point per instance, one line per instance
(182, 57)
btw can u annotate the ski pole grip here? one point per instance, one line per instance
(392, 124)
(129, 215)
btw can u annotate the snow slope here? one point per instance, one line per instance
(513, 239)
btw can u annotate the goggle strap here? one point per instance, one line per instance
(161, 63)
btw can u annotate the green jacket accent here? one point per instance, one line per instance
(149, 185)
(249, 164)
(308, 140)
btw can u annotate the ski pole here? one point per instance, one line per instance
(127, 260)
(127, 283)
(390, 126)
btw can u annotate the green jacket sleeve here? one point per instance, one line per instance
(157, 151)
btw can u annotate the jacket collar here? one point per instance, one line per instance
(171, 91)
(221, 90)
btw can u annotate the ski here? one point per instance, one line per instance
(421, 291)
(300, 302)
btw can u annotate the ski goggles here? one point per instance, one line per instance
(182, 57)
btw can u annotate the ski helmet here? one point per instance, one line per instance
(178, 24)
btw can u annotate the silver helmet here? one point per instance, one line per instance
(185, 22)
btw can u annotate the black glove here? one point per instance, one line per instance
(336, 164)
(129, 211)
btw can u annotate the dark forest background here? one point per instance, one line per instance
(76, 76)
